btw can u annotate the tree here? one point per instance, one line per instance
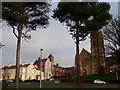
(82, 19)
(24, 17)
(112, 39)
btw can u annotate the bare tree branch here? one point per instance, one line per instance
(14, 31)
(112, 38)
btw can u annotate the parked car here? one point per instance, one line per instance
(34, 80)
(27, 81)
(98, 81)
(4, 84)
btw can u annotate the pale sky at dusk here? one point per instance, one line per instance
(55, 40)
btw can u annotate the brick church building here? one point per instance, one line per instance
(90, 63)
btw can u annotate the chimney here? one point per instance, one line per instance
(57, 64)
(31, 62)
(3, 65)
(38, 64)
(10, 65)
(51, 58)
(23, 63)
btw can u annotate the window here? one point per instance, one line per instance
(94, 43)
(33, 71)
(23, 76)
(23, 70)
(97, 43)
(33, 77)
(84, 62)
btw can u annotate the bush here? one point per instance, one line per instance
(27, 81)
(101, 70)
(68, 79)
(109, 78)
(58, 76)
(47, 79)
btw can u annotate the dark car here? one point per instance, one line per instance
(35, 80)
(4, 84)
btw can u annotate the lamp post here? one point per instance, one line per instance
(1, 45)
(40, 64)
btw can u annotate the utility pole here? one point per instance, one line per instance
(40, 64)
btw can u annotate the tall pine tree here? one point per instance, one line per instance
(82, 18)
(24, 17)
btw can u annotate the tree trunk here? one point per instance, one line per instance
(77, 63)
(18, 56)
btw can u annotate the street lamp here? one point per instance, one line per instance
(1, 45)
(40, 64)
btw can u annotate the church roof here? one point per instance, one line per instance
(83, 50)
(14, 66)
(43, 60)
(84, 54)
(50, 55)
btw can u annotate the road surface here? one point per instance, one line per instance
(65, 85)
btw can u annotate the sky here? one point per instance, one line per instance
(54, 40)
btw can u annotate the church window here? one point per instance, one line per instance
(84, 62)
(97, 43)
(94, 43)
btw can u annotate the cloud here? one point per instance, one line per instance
(55, 39)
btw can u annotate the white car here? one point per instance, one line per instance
(97, 81)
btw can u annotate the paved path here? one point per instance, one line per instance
(65, 85)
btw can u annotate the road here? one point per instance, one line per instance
(65, 85)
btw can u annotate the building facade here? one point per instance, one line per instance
(47, 66)
(27, 72)
(97, 51)
(90, 63)
(85, 62)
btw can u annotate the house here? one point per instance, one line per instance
(47, 66)
(1, 77)
(63, 71)
(27, 72)
(59, 71)
(112, 65)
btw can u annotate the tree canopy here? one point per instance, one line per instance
(24, 17)
(28, 14)
(82, 18)
(85, 16)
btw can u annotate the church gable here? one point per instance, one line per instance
(85, 62)
(84, 55)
